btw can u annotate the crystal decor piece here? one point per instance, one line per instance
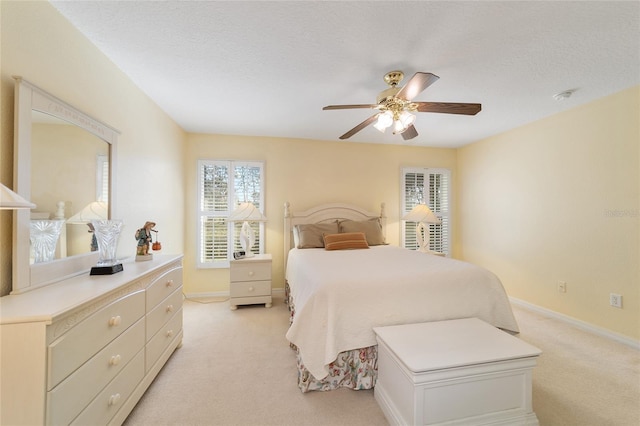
(107, 233)
(44, 236)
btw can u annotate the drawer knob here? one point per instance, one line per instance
(169, 308)
(250, 273)
(170, 283)
(169, 333)
(115, 321)
(251, 289)
(113, 399)
(115, 360)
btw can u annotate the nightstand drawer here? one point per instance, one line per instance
(251, 271)
(251, 288)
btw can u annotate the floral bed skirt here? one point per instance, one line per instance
(355, 369)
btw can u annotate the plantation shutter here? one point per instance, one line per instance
(413, 195)
(214, 209)
(438, 201)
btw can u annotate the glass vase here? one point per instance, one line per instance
(107, 233)
(44, 236)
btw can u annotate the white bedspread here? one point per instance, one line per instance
(339, 296)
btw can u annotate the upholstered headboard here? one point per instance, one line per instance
(325, 213)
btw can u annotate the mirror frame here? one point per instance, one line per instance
(29, 97)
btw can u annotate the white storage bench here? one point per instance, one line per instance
(458, 372)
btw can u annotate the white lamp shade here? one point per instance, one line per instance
(97, 210)
(380, 127)
(407, 119)
(247, 212)
(9, 200)
(421, 213)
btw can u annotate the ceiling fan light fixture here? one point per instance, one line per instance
(407, 119)
(399, 127)
(385, 120)
(403, 121)
(380, 127)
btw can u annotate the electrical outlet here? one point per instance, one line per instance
(615, 300)
(562, 286)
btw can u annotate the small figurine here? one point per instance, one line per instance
(143, 235)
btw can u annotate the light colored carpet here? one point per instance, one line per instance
(236, 368)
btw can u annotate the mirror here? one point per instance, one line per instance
(62, 185)
(63, 162)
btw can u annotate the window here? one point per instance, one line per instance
(222, 185)
(431, 187)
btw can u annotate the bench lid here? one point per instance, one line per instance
(454, 343)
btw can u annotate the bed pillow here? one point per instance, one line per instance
(371, 228)
(345, 241)
(311, 235)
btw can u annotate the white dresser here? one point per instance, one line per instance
(84, 350)
(251, 281)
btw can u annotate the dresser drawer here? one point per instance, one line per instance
(162, 339)
(84, 340)
(163, 312)
(250, 271)
(111, 399)
(250, 289)
(70, 397)
(163, 286)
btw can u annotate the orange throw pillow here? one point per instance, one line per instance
(345, 241)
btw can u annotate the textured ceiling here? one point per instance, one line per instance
(267, 68)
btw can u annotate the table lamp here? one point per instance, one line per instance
(422, 214)
(247, 212)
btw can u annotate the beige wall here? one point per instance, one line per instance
(38, 44)
(558, 200)
(305, 173)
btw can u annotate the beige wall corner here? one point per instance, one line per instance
(559, 200)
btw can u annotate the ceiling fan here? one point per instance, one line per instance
(395, 105)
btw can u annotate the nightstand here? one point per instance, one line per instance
(250, 281)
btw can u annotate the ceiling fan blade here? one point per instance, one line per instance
(419, 82)
(349, 106)
(359, 127)
(449, 108)
(410, 133)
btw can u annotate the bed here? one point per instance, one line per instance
(336, 296)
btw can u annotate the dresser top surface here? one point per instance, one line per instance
(44, 304)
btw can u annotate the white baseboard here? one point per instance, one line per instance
(221, 294)
(603, 332)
